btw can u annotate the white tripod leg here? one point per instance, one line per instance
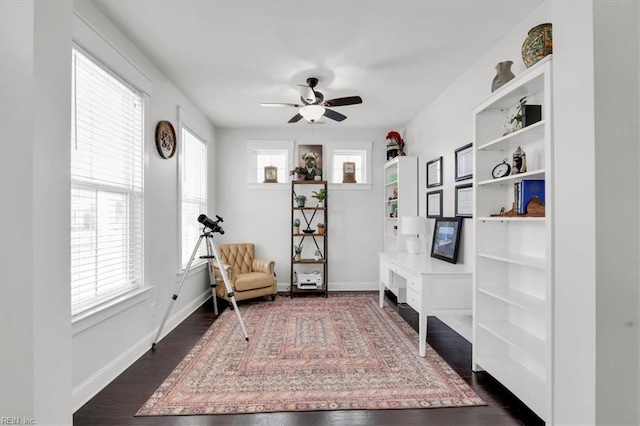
(230, 294)
(175, 293)
(212, 277)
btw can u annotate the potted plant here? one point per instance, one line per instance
(516, 120)
(296, 226)
(301, 200)
(298, 251)
(321, 228)
(317, 255)
(320, 196)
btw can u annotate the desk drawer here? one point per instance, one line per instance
(414, 283)
(384, 273)
(414, 300)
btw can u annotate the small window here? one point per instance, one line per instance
(268, 153)
(272, 158)
(352, 156)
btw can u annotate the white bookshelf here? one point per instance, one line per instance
(400, 175)
(513, 284)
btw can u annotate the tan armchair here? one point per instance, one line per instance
(250, 277)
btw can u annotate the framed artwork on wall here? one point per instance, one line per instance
(464, 200)
(434, 172)
(434, 204)
(446, 238)
(464, 162)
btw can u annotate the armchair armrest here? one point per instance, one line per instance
(263, 265)
(228, 269)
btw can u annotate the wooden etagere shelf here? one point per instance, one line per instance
(313, 259)
(513, 282)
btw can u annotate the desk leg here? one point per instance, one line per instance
(381, 284)
(422, 333)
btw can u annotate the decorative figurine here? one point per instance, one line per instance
(519, 162)
(395, 147)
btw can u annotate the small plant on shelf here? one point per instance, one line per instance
(320, 195)
(298, 250)
(296, 226)
(301, 200)
(515, 121)
(321, 227)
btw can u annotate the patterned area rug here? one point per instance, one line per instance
(310, 353)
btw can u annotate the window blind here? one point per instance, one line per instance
(194, 194)
(106, 185)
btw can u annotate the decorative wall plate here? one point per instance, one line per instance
(166, 139)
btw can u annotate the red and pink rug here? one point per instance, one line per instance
(311, 353)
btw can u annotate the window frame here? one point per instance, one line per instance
(110, 298)
(182, 263)
(259, 146)
(334, 148)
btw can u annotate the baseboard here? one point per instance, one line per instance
(89, 388)
(344, 286)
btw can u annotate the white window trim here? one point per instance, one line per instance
(367, 146)
(129, 78)
(265, 145)
(189, 122)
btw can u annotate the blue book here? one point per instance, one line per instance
(530, 188)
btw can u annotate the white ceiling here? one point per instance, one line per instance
(227, 57)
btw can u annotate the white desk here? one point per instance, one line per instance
(430, 286)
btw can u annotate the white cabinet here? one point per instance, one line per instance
(400, 199)
(513, 281)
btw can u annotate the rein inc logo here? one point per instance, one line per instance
(17, 421)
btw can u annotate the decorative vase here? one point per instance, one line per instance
(538, 44)
(503, 75)
(296, 229)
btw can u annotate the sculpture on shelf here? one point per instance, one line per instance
(503, 75)
(395, 147)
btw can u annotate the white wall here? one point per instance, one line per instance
(263, 216)
(617, 81)
(35, 108)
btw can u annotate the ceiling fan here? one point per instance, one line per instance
(314, 106)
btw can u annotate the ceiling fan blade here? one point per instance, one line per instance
(334, 115)
(271, 104)
(307, 94)
(295, 118)
(349, 100)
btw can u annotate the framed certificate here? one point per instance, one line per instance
(464, 200)
(434, 173)
(464, 162)
(434, 204)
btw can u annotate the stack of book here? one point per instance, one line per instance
(524, 191)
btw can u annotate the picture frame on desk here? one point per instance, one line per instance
(464, 162)
(434, 204)
(446, 238)
(434, 173)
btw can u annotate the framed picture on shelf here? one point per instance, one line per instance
(464, 162)
(446, 238)
(464, 200)
(434, 204)
(434, 172)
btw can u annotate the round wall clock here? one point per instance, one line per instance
(166, 139)
(501, 170)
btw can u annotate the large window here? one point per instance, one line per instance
(106, 185)
(193, 184)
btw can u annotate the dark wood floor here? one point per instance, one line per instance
(118, 402)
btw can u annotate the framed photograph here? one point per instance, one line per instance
(464, 162)
(446, 238)
(464, 200)
(434, 204)
(270, 174)
(309, 162)
(434, 173)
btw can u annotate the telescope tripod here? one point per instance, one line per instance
(212, 254)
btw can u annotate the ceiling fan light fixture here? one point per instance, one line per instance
(312, 113)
